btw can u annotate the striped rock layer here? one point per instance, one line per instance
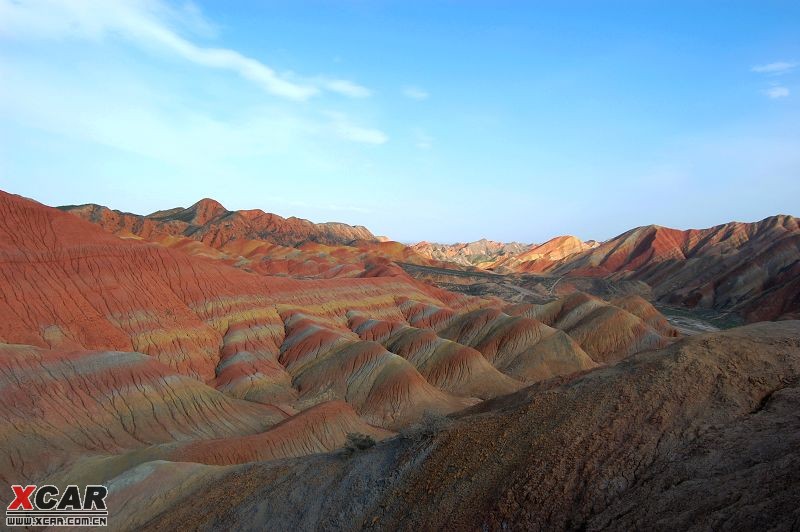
(704, 434)
(752, 269)
(121, 351)
(255, 240)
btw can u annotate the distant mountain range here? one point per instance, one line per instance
(482, 253)
(211, 223)
(751, 269)
(504, 257)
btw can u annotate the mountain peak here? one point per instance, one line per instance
(205, 210)
(198, 214)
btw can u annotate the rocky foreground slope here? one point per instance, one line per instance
(702, 435)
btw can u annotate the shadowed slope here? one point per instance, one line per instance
(319, 429)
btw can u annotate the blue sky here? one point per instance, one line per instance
(443, 121)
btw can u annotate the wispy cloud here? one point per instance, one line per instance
(113, 107)
(776, 92)
(422, 140)
(343, 128)
(415, 93)
(345, 88)
(776, 68)
(151, 25)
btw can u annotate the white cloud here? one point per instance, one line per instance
(343, 128)
(345, 88)
(778, 67)
(777, 92)
(415, 93)
(148, 24)
(113, 107)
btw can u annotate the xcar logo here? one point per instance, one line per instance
(46, 506)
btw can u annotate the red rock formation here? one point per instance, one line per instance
(257, 241)
(234, 364)
(519, 346)
(209, 222)
(704, 434)
(481, 253)
(58, 405)
(69, 284)
(542, 257)
(606, 332)
(728, 267)
(204, 327)
(448, 365)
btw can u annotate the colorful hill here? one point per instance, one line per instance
(749, 268)
(119, 349)
(538, 258)
(256, 241)
(211, 223)
(130, 344)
